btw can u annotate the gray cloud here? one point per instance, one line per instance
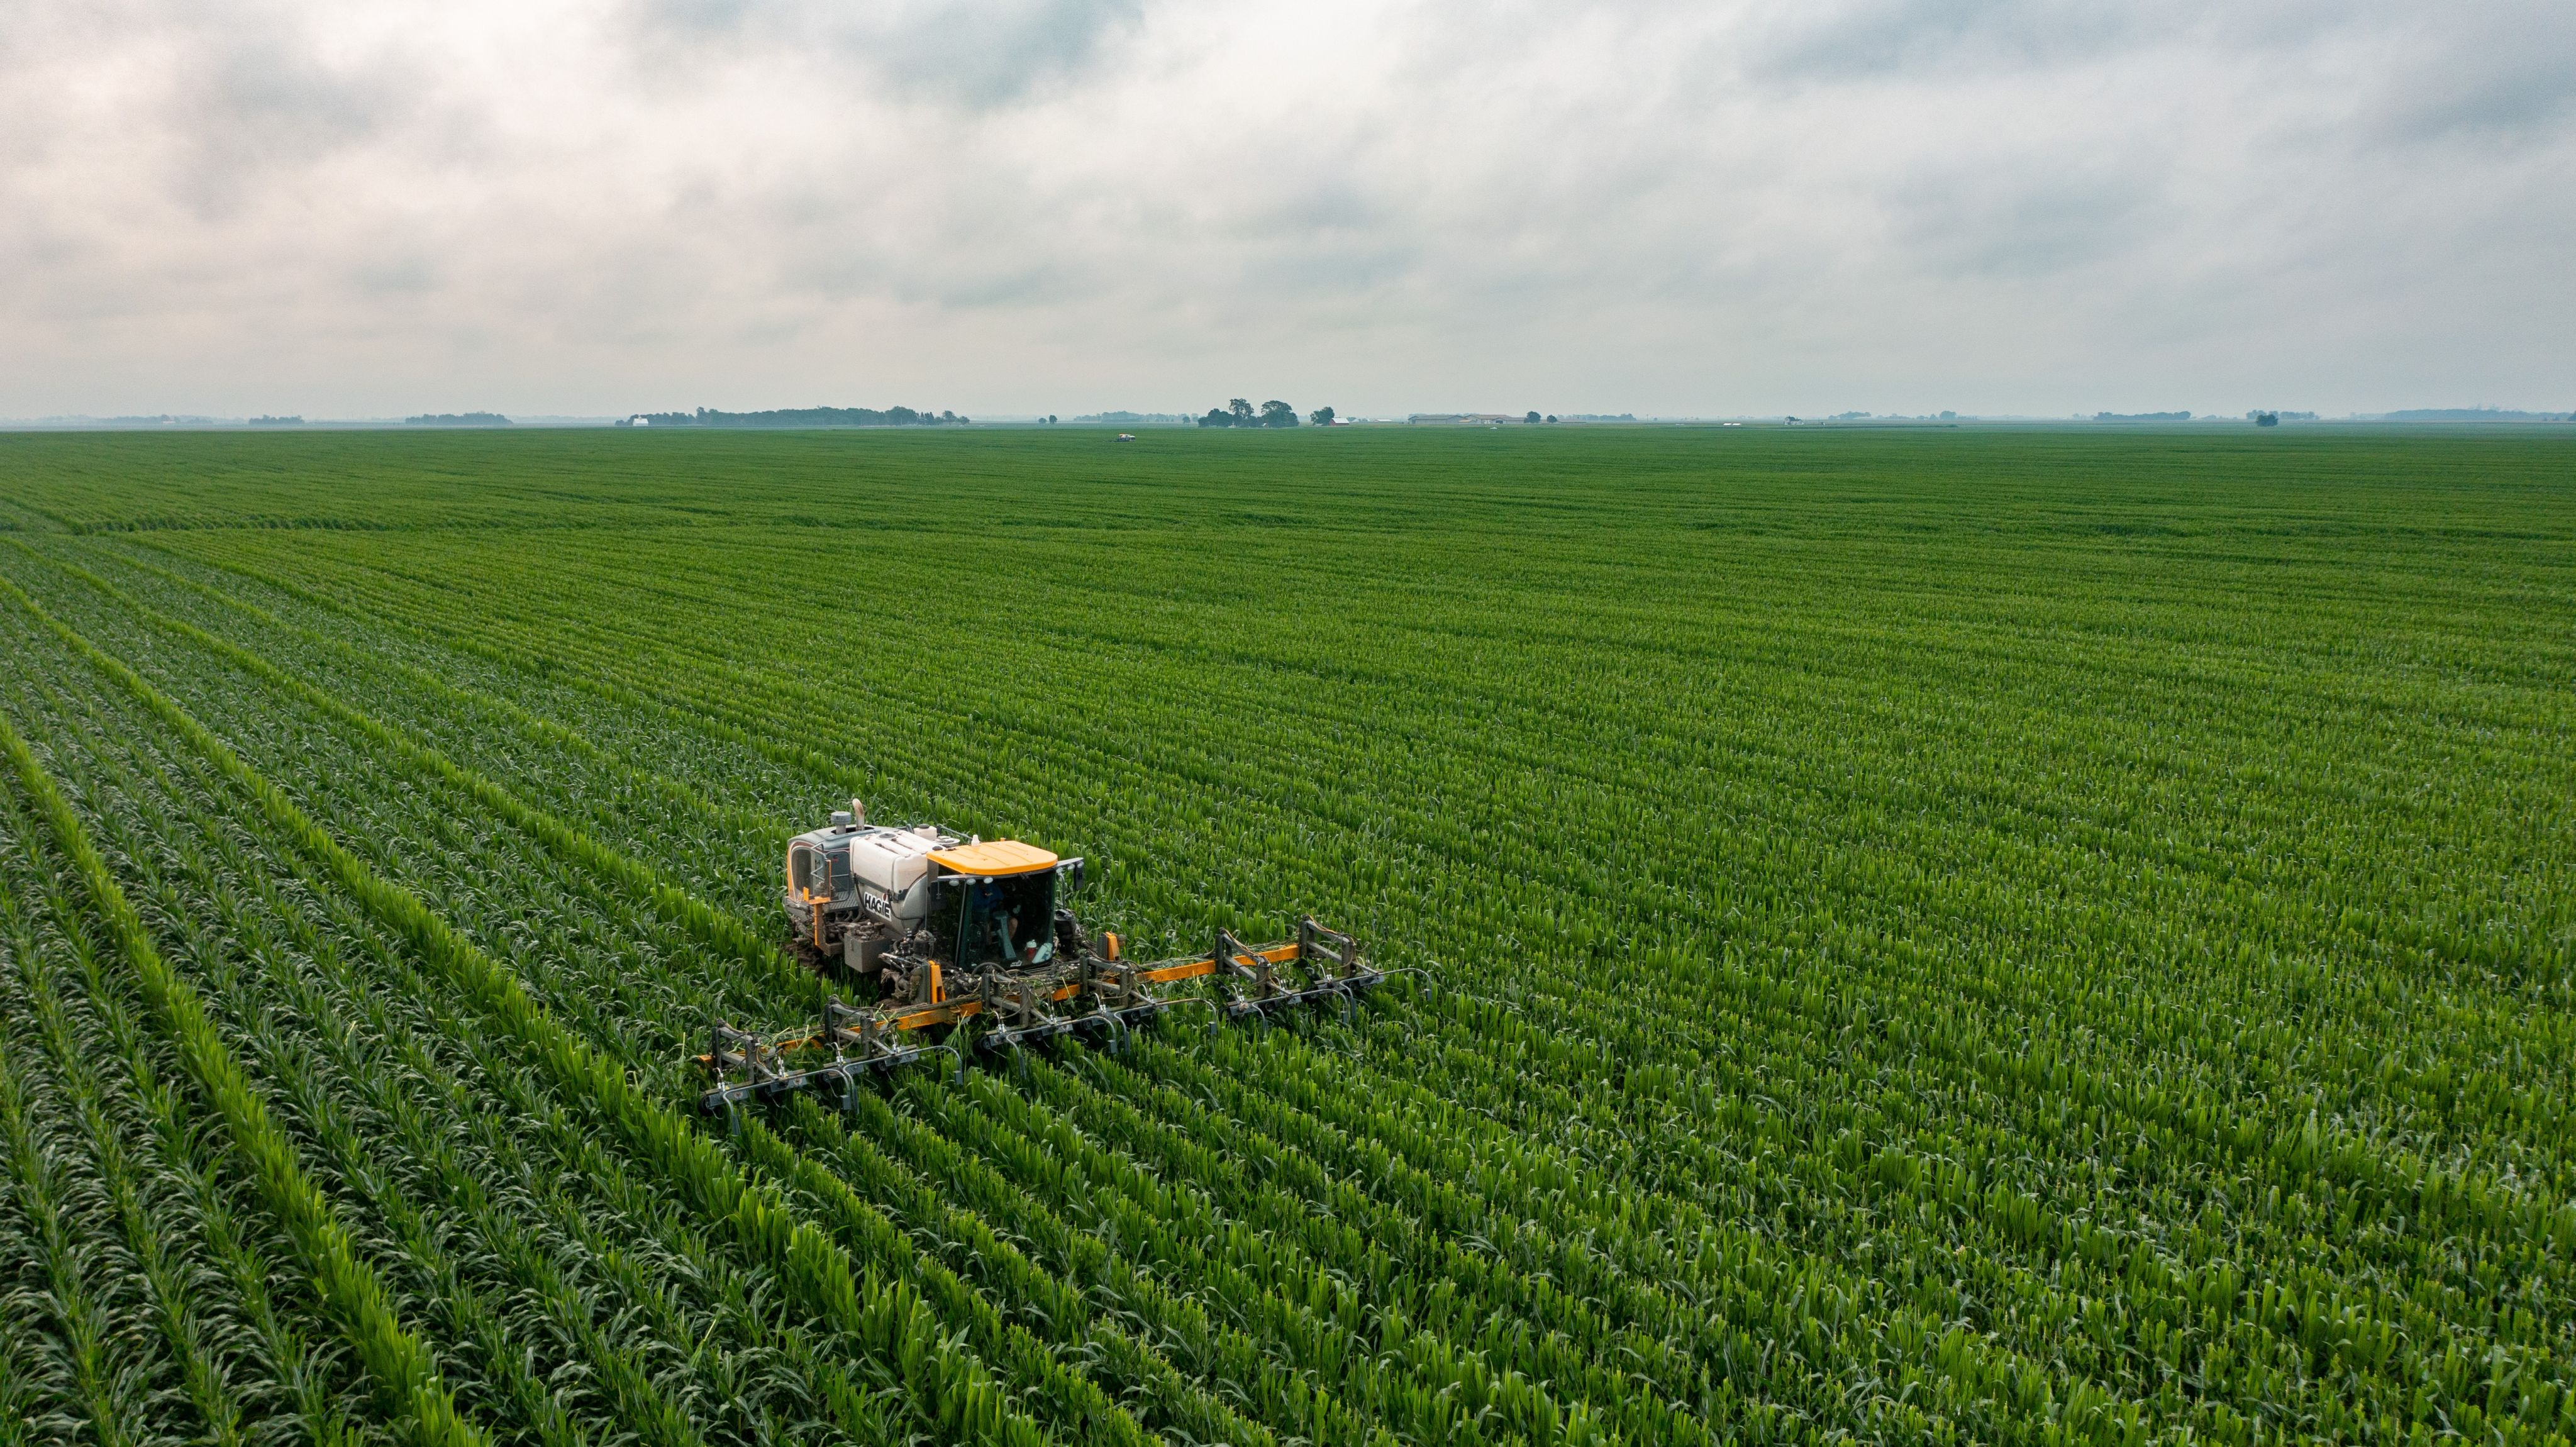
(2010, 222)
(1061, 204)
(1877, 38)
(2483, 75)
(972, 52)
(244, 106)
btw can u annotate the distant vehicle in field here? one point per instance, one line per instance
(949, 928)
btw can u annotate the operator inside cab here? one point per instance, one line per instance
(1000, 935)
(1009, 921)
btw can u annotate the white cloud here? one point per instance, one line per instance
(1065, 204)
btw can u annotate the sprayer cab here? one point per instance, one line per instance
(994, 905)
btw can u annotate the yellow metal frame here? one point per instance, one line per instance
(950, 1012)
(943, 1011)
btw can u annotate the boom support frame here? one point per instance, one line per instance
(1086, 997)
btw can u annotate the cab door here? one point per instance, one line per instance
(816, 874)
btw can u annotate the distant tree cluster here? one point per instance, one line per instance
(267, 421)
(797, 417)
(2142, 417)
(1239, 413)
(459, 419)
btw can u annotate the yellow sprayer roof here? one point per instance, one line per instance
(995, 856)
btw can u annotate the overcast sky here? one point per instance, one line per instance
(1065, 205)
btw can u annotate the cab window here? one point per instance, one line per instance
(809, 871)
(1009, 921)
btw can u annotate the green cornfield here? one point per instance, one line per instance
(2051, 936)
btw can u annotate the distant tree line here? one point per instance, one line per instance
(296, 421)
(2464, 414)
(798, 417)
(1273, 413)
(459, 419)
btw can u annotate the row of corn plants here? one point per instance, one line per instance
(230, 950)
(1203, 1419)
(1293, 1396)
(143, 1232)
(1828, 1039)
(947, 1384)
(244, 1361)
(402, 1368)
(1419, 1341)
(1299, 1399)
